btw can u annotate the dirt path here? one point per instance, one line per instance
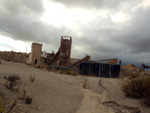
(60, 93)
(51, 92)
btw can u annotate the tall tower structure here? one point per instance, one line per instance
(65, 51)
(36, 53)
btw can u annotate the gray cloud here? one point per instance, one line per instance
(101, 38)
(20, 20)
(129, 43)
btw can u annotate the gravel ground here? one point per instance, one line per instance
(59, 93)
(51, 92)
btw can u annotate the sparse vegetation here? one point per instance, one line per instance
(32, 78)
(41, 66)
(13, 78)
(72, 73)
(138, 88)
(2, 94)
(24, 94)
(13, 81)
(7, 106)
(28, 100)
(99, 83)
(84, 85)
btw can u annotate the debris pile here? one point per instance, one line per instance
(131, 67)
(13, 56)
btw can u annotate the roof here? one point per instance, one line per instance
(36, 44)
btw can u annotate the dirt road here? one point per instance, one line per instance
(59, 93)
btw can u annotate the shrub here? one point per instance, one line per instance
(6, 106)
(28, 100)
(138, 88)
(32, 78)
(13, 81)
(37, 66)
(13, 78)
(72, 73)
(84, 85)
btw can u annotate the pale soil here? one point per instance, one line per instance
(60, 93)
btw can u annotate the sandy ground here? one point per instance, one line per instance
(60, 93)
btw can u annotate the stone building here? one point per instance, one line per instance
(35, 56)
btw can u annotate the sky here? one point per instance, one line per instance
(103, 29)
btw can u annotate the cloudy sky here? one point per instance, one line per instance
(103, 29)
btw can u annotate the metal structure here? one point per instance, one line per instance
(63, 54)
(65, 51)
(80, 61)
(111, 61)
(143, 66)
(100, 69)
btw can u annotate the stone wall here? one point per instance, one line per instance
(13, 56)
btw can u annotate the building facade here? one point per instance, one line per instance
(35, 56)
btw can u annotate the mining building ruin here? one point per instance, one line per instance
(62, 60)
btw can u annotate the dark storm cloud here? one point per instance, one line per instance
(130, 43)
(100, 38)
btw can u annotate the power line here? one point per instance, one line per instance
(3, 28)
(7, 31)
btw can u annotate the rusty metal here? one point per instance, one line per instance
(111, 61)
(143, 66)
(80, 61)
(65, 51)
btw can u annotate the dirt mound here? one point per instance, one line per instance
(131, 67)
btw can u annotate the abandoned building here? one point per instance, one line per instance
(103, 68)
(35, 55)
(65, 51)
(61, 59)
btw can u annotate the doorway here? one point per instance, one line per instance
(35, 61)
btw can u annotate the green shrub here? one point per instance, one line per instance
(138, 88)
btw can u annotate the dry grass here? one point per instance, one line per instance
(7, 106)
(138, 88)
(41, 66)
(72, 73)
(32, 78)
(13, 82)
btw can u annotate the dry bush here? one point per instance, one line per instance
(138, 88)
(37, 66)
(72, 73)
(28, 100)
(41, 66)
(13, 82)
(32, 78)
(85, 84)
(13, 78)
(7, 106)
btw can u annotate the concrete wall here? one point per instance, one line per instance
(35, 57)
